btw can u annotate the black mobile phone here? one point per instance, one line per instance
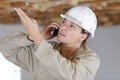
(55, 32)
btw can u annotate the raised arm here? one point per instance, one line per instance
(30, 25)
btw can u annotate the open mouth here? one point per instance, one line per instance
(62, 34)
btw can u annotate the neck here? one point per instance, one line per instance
(69, 50)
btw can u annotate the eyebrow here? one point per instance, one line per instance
(71, 22)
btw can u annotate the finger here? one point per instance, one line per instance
(23, 19)
(17, 11)
(56, 25)
(19, 14)
(22, 15)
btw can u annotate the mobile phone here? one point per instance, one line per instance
(55, 32)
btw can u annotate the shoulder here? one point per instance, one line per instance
(89, 59)
(88, 52)
(87, 56)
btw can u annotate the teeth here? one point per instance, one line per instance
(62, 33)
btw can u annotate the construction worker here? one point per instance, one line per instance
(67, 59)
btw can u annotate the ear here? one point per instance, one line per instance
(83, 37)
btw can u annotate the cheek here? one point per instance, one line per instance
(74, 36)
(70, 37)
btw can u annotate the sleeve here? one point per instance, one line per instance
(82, 68)
(17, 49)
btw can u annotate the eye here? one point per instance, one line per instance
(63, 21)
(72, 26)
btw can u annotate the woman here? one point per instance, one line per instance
(69, 59)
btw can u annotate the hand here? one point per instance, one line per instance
(46, 32)
(30, 25)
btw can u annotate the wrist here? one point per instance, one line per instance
(28, 38)
(43, 35)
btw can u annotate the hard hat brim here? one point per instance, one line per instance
(71, 19)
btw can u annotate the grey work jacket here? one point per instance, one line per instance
(45, 61)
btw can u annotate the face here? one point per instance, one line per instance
(69, 33)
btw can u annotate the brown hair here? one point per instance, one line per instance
(85, 41)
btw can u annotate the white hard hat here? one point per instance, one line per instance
(82, 16)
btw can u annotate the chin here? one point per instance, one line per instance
(60, 40)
